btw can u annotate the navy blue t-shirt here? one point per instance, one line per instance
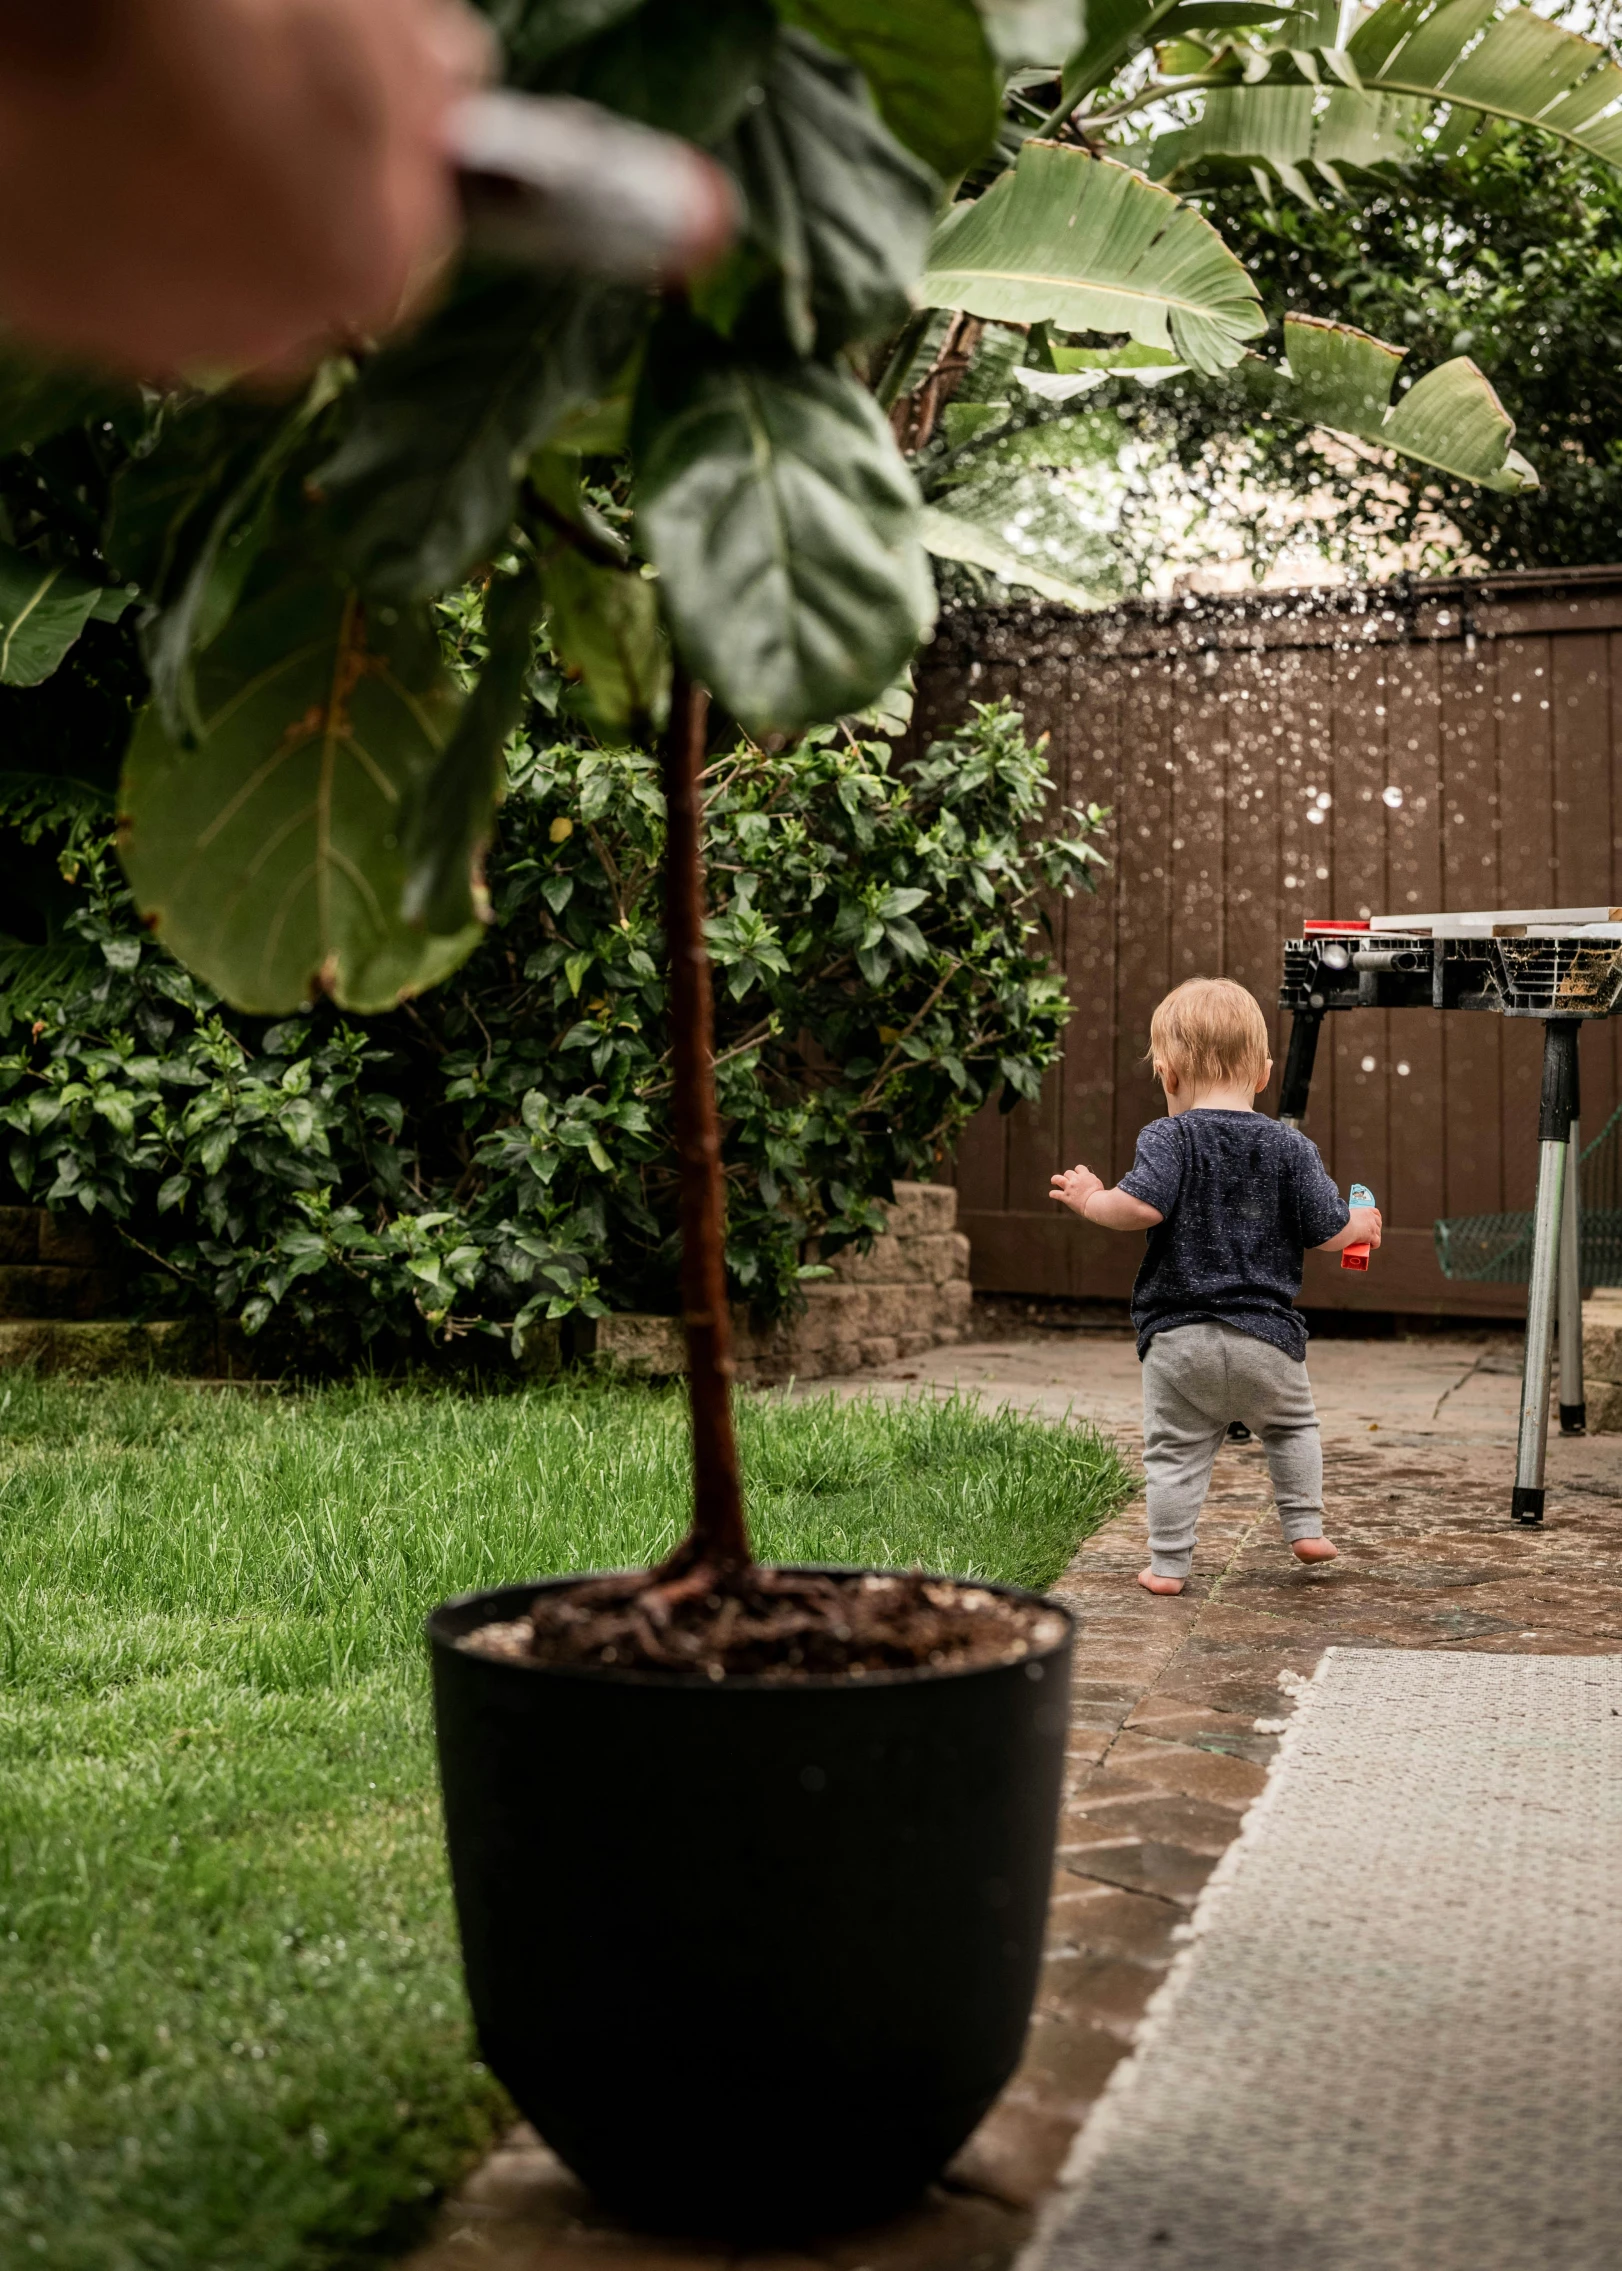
(1242, 1197)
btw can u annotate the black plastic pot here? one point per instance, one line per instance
(752, 1958)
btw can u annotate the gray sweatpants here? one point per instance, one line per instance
(1196, 1378)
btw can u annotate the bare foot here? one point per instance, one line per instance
(1153, 1584)
(1314, 1549)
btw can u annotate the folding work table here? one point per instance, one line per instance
(1562, 965)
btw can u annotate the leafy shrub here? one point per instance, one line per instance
(499, 1151)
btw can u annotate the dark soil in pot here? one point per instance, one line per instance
(754, 1951)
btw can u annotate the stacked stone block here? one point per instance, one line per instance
(1602, 1360)
(910, 1293)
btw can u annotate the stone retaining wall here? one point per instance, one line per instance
(910, 1293)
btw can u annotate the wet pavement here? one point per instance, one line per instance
(1178, 1705)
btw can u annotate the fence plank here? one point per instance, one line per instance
(1087, 1084)
(1415, 1087)
(1473, 1132)
(1357, 1047)
(1143, 900)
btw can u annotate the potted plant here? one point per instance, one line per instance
(751, 1864)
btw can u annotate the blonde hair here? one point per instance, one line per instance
(1209, 1030)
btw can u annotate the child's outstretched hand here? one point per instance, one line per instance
(1075, 1187)
(1365, 1226)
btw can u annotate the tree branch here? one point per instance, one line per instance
(882, 1075)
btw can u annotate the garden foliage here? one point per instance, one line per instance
(500, 1152)
(1508, 249)
(307, 790)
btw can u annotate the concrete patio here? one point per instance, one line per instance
(1178, 1706)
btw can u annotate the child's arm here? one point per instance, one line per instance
(1083, 1193)
(1363, 1229)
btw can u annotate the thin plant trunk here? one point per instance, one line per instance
(719, 1539)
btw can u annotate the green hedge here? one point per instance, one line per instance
(498, 1151)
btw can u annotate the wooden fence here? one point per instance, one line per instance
(1444, 744)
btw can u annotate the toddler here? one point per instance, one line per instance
(1229, 1200)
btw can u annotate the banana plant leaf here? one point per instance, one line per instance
(1481, 60)
(1333, 376)
(1286, 127)
(1148, 365)
(1508, 63)
(1089, 245)
(951, 537)
(1450, 418)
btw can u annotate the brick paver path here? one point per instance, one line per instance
(1178, 1705)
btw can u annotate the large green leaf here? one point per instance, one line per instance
(42, 611)
(422, 486)
(840, 208)
(1450, 418)
(268, 857)
(1480, 59)
(1089, 245)
(949, 536)
(189, 519)
(689, 67)
(602, 612)
(451, 811)
(604, 627)
(930, 67)
(784, 526)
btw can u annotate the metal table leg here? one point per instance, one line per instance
(1573, 1408)
(1554, 1151)
(1293, 1089)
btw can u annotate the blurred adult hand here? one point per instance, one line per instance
(225, 182)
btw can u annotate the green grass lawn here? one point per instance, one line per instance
(231, 2021)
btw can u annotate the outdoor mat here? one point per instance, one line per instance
(1394, 2039)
